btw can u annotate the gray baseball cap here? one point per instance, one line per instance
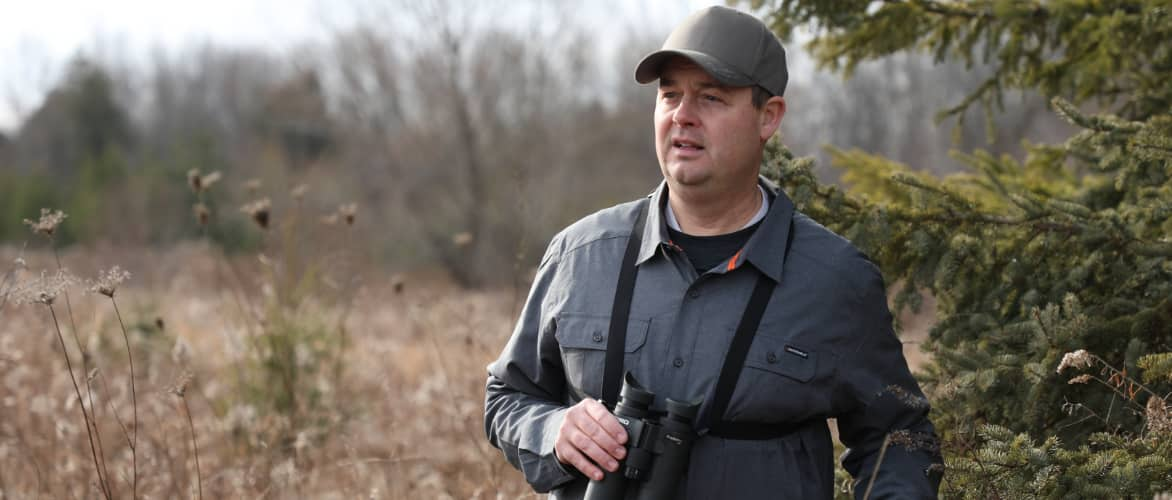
(733, 46)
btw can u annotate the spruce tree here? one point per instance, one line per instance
(1057, 259)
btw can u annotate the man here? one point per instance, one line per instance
(711, 239)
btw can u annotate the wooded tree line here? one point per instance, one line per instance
(465, 145)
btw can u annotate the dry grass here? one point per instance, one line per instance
(408, 404)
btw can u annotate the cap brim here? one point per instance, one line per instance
(649, 68)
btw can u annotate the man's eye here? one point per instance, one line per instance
(670, 95)
(711, 98)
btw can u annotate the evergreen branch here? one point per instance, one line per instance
(1154, 147)
(1098, 123)
(826, 193)
(1069, 208)
(1035, 222)
(972, 452)
(986, 86)
(913, 181)
(1020, 201)
(1036, 14)
(1154, 249)
(944, 10)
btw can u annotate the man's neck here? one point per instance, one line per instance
(714, 215)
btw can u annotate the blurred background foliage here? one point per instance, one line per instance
(469, 144)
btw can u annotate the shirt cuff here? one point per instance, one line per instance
(568, 469)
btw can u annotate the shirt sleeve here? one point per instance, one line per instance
(886, 405)
(525, 390)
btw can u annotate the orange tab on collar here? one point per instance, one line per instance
(732, 263)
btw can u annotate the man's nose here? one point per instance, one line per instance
(685, 113)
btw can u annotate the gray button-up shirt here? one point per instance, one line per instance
(824, 349)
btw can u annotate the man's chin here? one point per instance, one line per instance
(687, 175)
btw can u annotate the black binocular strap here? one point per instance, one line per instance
(734, 360)
(616, 341)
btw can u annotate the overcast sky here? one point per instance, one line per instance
(38, 36)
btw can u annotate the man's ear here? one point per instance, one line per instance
(771, 113)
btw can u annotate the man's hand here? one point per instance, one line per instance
(590, 435)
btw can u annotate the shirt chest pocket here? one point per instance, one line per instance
(781, 382)
(582, 339)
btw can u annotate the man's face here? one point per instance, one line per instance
(707, 136)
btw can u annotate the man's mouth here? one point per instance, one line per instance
(686, 145)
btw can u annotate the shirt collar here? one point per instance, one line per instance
(672, 223)
(767, 248)
(762, 249)
(655, 231)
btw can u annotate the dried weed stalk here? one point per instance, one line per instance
(179, 390)
(1117, 380)
(107, 284)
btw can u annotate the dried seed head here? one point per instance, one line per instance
(180, 387)
(195, 180)
(47, 224)
(462, 239)
(252, 186)
(299, 191)
(259, 211)
(211, 179)
(912, 440)
(159, 323)
(302, 442)
(202, 214)
(180, 352)
(199, 182)
(45, 298)
(1081, 379)
(397, 284)
(907, 398)
(1077, 359)
(19, 263)
(107, 282)
(43, 289)
(348, 212)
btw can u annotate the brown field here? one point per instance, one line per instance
(401, 419)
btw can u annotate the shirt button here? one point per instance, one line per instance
(694, 294)
(597, 337)
(771, 358)
(678, 362)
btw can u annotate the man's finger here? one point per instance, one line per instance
(573, 457)
(591, 449)
(608, 422)
(601, 437)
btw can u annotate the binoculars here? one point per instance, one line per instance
(658, 448)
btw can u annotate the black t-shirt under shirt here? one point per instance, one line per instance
(707, 252)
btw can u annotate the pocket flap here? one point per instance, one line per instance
(783, 358)
(584, 331)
